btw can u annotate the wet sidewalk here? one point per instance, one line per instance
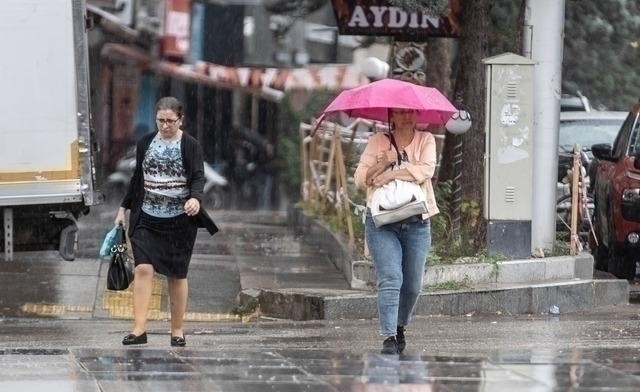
(593, 351)
(253, 250)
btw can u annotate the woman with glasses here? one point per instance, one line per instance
(399, 250)
(164, 198)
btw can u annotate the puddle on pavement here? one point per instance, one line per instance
(293, 370)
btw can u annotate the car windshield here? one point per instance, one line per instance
(587, 132)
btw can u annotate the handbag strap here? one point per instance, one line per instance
(121, 240)
(393, 143)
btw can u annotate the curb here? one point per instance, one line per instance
(569, 296)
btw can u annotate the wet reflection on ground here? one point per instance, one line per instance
(316, 370)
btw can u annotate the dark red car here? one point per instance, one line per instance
(616, 192)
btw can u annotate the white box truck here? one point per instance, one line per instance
(47, 174)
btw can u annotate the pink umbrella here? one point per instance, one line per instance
(373, 100)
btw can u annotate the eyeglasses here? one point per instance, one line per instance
(402, 111)
(167, 121)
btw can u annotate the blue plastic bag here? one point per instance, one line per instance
(109, 240)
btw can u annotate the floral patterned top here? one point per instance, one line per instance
(165, 181)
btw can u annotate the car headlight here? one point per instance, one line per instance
(631, 195)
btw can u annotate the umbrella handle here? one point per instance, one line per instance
(318, 122)
(393, 143)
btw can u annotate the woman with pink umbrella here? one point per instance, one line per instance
(399, 250)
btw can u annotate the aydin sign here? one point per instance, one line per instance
(362, 17)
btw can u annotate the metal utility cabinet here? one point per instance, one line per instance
(46, 148)
(509, 159)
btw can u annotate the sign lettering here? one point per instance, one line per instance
(367, 17)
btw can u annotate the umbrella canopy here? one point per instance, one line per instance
(372, 101)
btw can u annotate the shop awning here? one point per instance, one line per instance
(268, 83)
(111, 23)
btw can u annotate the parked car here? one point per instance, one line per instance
(576, 102)
(616, 192)
(585, 129)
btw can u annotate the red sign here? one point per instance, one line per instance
(175, 35)
(379, 17)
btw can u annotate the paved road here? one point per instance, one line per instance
(592, 351)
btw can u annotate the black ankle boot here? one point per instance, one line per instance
(389, 346)
(402, 343)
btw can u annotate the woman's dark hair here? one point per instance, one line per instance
(170, 103)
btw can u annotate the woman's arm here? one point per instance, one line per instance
(197, 179)
(375, 160)
(421, 165)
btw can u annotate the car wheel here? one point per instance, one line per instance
(601, 257)
(621, 263)
(600, 251)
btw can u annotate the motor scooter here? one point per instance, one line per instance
(117, 183)
(215, 188)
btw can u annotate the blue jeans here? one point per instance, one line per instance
(399, 252)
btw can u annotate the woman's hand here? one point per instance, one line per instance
(386, 158)
(192, 206)
(382, 179)
(120, 217)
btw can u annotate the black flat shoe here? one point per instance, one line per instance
(133, 339)
(178, 341)
(389, 346)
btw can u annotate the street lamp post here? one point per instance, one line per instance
(458, 124)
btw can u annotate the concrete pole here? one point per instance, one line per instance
(543, 38)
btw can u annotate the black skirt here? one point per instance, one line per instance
(166, 243)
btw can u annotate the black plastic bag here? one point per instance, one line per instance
(120, 274)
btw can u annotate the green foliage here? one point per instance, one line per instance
(601, 47)
(445, 247)
(289, 137)
(337, 221)
(449, 285)
(289, 147)
(248, 308)
(562, 246)
(601, 52)
(504, 33)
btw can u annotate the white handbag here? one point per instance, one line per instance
(397, 200)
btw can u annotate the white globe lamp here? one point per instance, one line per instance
(374, 68)
(459, 123)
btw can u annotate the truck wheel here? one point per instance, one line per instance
(68, 242)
